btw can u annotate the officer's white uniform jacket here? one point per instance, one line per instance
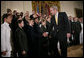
(5, 37)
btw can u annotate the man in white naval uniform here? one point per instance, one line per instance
(5, 36)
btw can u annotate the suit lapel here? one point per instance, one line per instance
(54, 20)
(59, 18)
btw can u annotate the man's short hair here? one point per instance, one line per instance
(9, 10)
(14, 11)
(6, 15)
(43, 20)
(54, 7)
(19, 21)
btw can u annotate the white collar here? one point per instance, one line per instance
(45, 26)
(56, 14)
(6, 23)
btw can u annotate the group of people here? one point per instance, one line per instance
(37, 34)
(76, 31)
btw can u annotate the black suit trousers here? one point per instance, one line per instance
(63, 45)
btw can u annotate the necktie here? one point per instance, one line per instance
(56, 19)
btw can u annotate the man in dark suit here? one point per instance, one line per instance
(44, 40)
(31, 38)
(48, 24)
(37, 32)
(76, 29)
(71, 25)
(60, 26)
(21, 40)
(13, 28)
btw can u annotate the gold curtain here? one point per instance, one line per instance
(43, 3)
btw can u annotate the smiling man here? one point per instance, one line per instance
(60, 23)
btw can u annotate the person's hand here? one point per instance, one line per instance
(23, 52)
(68, 35)
(45, 34)
(4, 53)
(30, 24)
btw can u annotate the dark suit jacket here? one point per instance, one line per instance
(63, 26)
(21, 39)
(25, 22)
(14, 26)
(71, 25)
(37, 37)
(76, 27)
(48, 25)
(43, 29)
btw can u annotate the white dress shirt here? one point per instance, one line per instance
(56, 15)
(5, 37)
(81, 34)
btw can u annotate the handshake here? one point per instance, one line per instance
(45, 34)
